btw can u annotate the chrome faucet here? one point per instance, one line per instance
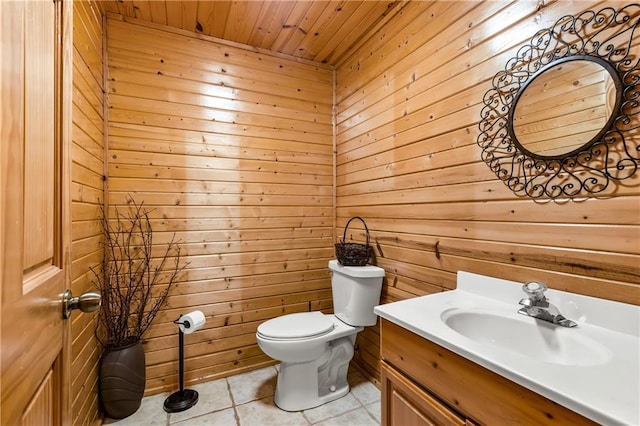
(537, 305)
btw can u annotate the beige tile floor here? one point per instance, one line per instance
(247, 400)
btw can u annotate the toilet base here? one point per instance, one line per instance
(300, 404)
(305, 385)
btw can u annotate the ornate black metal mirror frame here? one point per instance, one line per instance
(614, 153)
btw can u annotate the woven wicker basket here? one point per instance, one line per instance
(353, 254)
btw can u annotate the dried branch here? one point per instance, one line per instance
(128, 277)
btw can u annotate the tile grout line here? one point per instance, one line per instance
(233, 403)
(364, 407)
(304, 416)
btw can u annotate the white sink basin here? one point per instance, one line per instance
(593, 369)
(528, 337)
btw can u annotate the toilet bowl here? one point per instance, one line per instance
(314, 349)
(313, 368)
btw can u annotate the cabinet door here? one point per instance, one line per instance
(404, 403)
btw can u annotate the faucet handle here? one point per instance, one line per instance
(535, 290)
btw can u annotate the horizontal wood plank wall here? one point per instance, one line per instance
(87, 193)
(232, 149)
(408, 108)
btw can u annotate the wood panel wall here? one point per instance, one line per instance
(87, 193)
(408, 107)
(232, 149)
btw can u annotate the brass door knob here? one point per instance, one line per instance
(86, 302)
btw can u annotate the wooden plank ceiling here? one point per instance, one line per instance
(320, 31)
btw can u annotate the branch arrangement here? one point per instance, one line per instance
(133, 283)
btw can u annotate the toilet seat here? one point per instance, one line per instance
(296, 326)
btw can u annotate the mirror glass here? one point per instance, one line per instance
(564, 108)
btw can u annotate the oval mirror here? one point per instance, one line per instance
(565, 107)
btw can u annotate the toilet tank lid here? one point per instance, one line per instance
(368, 271)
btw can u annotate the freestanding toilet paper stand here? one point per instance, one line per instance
(184, 398)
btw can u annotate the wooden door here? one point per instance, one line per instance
(34, 211)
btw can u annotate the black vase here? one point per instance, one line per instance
(122, 379)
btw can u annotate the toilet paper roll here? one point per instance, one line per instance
(191, 322)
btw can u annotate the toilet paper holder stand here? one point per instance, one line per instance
(182, 399)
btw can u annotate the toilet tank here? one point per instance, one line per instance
(356, 291)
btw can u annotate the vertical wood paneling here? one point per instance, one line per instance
(408, 107)
(39, 146)
(42, 404)
(232, 151)
(86, 195)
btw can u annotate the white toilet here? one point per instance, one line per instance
(315, 349)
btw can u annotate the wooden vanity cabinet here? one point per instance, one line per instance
(426, 384)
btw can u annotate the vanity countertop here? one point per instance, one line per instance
(602, 383)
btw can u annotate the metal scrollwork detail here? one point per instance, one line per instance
(605, 36)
